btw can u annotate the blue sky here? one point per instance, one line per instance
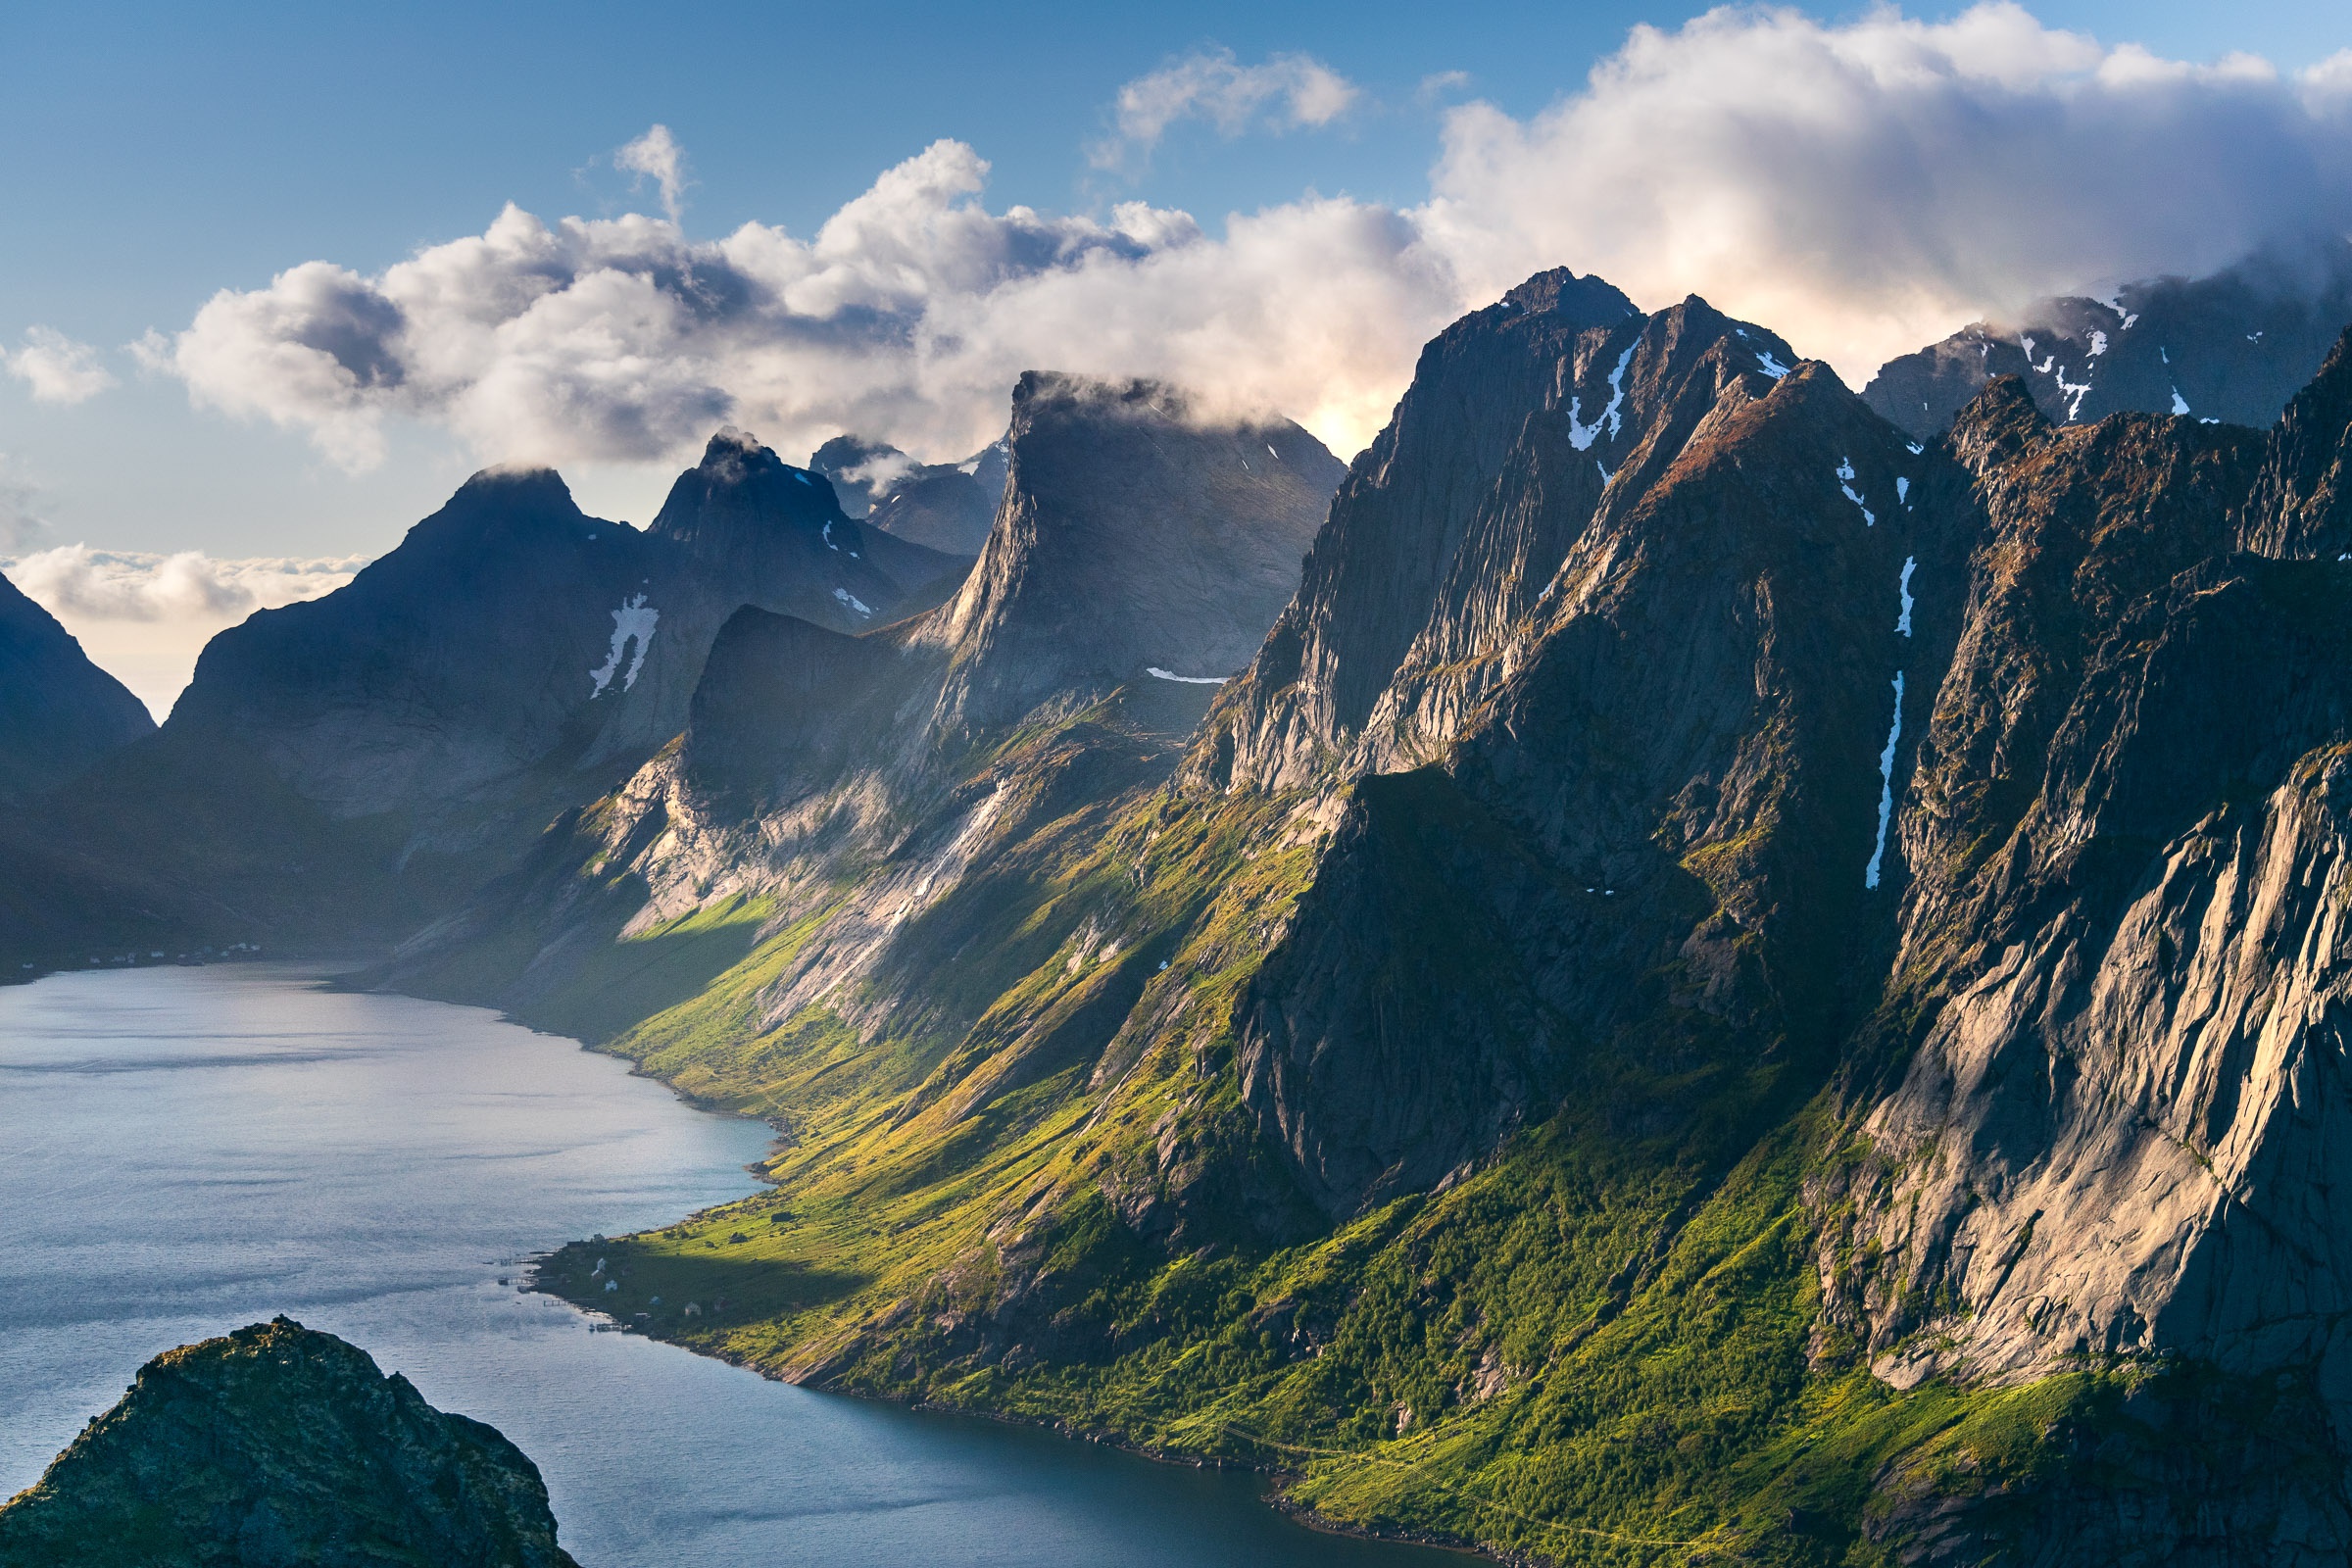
(165, 152)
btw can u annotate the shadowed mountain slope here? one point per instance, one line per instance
(341, 769)
(58, 712)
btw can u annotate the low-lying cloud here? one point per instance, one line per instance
(56, 368)
(1863, 188)
(86, 584)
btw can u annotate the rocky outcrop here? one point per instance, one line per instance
(58, 712)
(779, 534)
(276, 1444)
(2230, 348)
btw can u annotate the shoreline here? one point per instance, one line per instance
(1274, 1499)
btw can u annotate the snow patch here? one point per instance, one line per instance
(1772, 366)
(1894, 734)
(802, 478)
(1157, 673)
(1902, 492)
(2027, 344)
(829, 543)
(1916, 448)
(1271, 453)
(1903, 623)
(853, 601)
(1605, 475)
(632, 622)
(1581, 435)
(1846, 482)
(2180, 403)
(2130, 319)
(2098, 344)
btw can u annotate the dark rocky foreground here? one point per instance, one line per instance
(278, 1445)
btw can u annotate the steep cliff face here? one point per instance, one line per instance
(2228, 349)
(278, 1445)
(2126, 853)
(1141, 537)
(1647, 851)
(58, 712)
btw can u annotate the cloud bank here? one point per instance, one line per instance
(57, 369)
(1863, 188)
(85, 584)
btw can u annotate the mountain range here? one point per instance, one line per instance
(1673, 963)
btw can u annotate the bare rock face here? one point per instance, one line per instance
(2126, 841)
(279, 1446)
(1141, 537)
(58, 712)
(2228, 349)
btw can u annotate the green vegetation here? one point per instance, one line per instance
(1608, 1346)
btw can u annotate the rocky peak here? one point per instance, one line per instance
(1520, 419)
(1143, 536)
(280, 1444)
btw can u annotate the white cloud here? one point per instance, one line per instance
(144, 617)
(1287, 92)
(57, 369)
(657, 156)
(1864, 188)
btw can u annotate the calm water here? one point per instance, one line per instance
(190, 1149)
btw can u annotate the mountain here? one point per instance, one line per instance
(1145, 548)
(280, 1445)
(58, 712)
(946, 506)
(1727, 981)
(2231, 348)
(346, 768)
